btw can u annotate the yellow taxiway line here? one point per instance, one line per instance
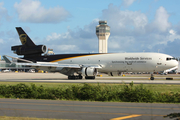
(125, 117)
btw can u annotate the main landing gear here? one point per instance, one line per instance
(76, 77)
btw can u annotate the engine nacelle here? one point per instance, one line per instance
(22, 50)
(114, 73)
(89, 71)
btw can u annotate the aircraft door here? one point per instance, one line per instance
(159, 63)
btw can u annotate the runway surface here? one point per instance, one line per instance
(59, 78)
(86, 110)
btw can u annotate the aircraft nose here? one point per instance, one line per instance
(175, 63)
(172, 64)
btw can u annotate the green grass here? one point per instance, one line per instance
(162, 87)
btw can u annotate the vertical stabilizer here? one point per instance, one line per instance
(25, 40)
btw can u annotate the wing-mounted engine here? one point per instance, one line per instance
(89, 72)
(24, 50)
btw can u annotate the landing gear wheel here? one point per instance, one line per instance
(71, 77)
(90, 77)
(80, 77)
(74, 77)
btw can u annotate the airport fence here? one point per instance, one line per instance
(88, 92)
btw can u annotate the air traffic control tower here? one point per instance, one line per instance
(103, 32)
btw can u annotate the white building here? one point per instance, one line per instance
(103, 32)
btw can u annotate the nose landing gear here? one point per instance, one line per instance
(152, 77)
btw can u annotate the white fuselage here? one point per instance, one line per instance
(126, 62)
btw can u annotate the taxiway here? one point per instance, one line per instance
(59, 78)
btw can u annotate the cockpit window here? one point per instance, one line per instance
(170, 59)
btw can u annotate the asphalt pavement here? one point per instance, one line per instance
(59, 78)
(81, 110)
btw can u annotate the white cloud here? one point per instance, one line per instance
(172, 36)
(8, 39)
(57, 36)
(54, 36)
(165, 39)
(122, 22)
(127, 3)
(113, 44)
(1, 41)
(72, 41)
(161, 20)
(4, 12)
(84, 39)
(67, 47)
(32, 11)
(130, 32)
(120, 42)
(172, 32)
(63, 48)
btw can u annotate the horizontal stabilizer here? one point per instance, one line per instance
(20, 59)
(6, 59)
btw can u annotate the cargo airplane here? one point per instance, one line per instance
(75, 66)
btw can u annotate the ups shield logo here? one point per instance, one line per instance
(23, 38)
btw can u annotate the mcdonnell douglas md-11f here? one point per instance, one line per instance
(75, 66)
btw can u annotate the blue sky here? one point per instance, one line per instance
(69, 26)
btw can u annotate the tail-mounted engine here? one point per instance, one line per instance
(28, 48)
(24, 50)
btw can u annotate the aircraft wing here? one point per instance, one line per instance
(91, 65)
(49, 64)
(41, 64)
(52, 64)
(66, 69)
